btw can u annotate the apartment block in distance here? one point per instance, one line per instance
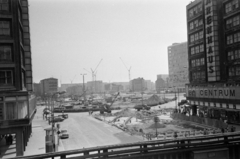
(214, 59)
(178, 66)
(17, 104)
(48, 86)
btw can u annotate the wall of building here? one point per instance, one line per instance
(178, 64)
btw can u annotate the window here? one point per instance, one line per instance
(197, 49)
(229, 23)
(197, 62)
(192, 38)
(196, 23)
(229, 39)
(199, 7)
(191, 26)
(193, 63)
(6, 77)
(5, 53)
(201, 48)
(228, 7)
(202, 62)
(237, 54)
(190, 13)
(4, 28)
(200, 34)
(200, 22)
(203, 75)
(234, 4)
(231, 71)
(192, 51)
(1, 111)
(236, 20)
(237, 70)
(196, 36)
(11, 111)
(4, 5)
(230, 55)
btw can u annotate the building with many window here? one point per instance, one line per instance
(17, 105)
(138, 85)
(48, 86)
(214, 58)
(178, 65)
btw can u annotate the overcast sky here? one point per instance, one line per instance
(70, 35)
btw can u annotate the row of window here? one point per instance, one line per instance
(234, 71)
(4, 5)
(231, 6)
(6, 77)
(197, 62)
(197, 36)
(195, 24)
(194, 11)
(232, 22)
(198, 76)
(233, 38)
(234, 54)
(197, 49)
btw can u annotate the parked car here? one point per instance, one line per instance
(56, 119)
(64, 134)
(65, 116)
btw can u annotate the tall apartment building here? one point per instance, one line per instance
(214, 56)
(48, 86)
(178, 65)
(17, 105)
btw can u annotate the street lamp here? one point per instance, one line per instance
(52, 115)
(84, 97)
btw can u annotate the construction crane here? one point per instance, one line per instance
(94, 73)
(129, 70)
(72, 79)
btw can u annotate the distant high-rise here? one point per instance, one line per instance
(17, 105)
(178, 65)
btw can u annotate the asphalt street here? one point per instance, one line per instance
(86, 131)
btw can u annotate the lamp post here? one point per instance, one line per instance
(84, 97)
(52, 115)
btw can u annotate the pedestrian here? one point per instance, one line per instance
(10, 139)
(204, 132)
(175, 135)
(232, 129)
(222, 129)
(6, 139)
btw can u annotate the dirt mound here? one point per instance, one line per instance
(158, 125)
(125, 113)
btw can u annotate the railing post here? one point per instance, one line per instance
(105, 151)
(63, 156)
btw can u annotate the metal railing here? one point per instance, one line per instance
(177, 147)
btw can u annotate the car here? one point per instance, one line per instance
(64, 134)
(65, 116)
(56, 119)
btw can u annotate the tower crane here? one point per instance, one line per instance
(72, 79)
(94, 73)
(129, 70)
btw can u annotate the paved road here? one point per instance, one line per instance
(86, 131)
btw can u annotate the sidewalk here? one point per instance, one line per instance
(36, 143)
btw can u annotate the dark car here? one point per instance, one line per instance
(64, 134)
(56, 119)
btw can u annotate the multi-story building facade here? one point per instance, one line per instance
(138, 85)
(214, 55)
(17, 105)
(48, 86)
(95, 86)
(160, 84)
(178, 65)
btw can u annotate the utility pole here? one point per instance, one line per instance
(84, 96)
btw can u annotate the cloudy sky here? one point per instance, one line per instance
(70, 35)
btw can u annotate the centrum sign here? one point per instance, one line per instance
(220, 92)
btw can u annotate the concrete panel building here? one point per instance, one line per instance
(48, 86)
(178, 65)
